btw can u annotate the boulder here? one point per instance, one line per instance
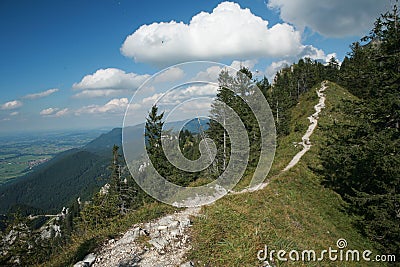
(187, 264)
(90, 258)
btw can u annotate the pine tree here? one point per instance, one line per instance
(332, 70)
(153, 132)
(216, 131)
(235, 92)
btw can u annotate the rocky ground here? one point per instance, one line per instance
(162, 242)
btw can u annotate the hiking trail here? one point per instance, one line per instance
(168, 238)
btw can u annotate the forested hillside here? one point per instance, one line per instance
(60, 181)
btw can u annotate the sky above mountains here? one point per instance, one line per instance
(76, 64)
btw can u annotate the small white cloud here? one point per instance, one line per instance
(48, 111)
(54, 112)
(308, 52)
(110, 79)
(177, 96)
(312, 53)
(332, 55)
(134, 106)
(195, 107)
(199, 90)
(15, 113)
(11, 105)
(62, 112)
(275, 67)
(152, 99)
(211, 74)
(41, 94)
(247, 63)
(169, 75)
(99, 93)
(113, 106)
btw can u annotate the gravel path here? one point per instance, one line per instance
(313, 124)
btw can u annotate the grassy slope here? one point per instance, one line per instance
(293, 212)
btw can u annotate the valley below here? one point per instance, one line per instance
(21, 154)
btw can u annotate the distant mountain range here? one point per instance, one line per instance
(74, 173)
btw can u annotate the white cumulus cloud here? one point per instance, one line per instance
(41, 94)
(229, 31)
(211, 74)
(48, 111)
(11, 105)
(247, 63)
(116, 105)
(54, 112)
(275, 67)
(99, 93)
(62, 112)
(332, 18)
(107, 82)
(179, 95)
(310, 52)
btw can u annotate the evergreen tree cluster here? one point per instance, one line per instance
(362, 160)
(188, 145)
(235, 92)
(291, 82)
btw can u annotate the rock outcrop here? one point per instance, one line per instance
(160, 243)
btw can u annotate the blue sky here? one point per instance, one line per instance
(74, 64)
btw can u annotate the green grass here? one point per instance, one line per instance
(293, 212)
(15, 165)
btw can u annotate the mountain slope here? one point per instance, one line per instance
(104, 143)
(293, 212)
(58, 182)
